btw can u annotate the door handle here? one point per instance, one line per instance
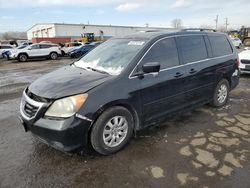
(178, 74)
(192, 71)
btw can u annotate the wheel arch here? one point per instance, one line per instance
(23, 53)
(124, 104)
(53, 52)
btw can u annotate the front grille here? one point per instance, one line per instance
(29, 109)
(36, 98)
(245, 61)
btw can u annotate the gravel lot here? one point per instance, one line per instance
(206, 147)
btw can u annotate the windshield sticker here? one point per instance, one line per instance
(137, 43)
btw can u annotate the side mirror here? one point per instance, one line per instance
(151, 67)
(29, 48)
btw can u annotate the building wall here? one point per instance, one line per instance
(52, 40)
(108, 31)
(76, 30)
(41, 30)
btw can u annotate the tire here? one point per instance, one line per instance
(53, 55)
(108, 143)
(247, 42)
(22, 58)
(221, 94)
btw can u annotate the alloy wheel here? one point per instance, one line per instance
(115, 131)
(222, 93)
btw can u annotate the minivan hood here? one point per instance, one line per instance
(67, 81)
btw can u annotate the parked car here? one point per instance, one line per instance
(80, 51)
(127, 84)
(40, 50)
(4, 48)
(69, 46)
(6, 54)
(244, 61)
(237, 42)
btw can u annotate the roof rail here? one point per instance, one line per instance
(199, 29)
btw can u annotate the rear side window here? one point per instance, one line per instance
(44, 46)
(220, 45)
(88, 47)
(192, 48)
(47, 45)
(163, 52)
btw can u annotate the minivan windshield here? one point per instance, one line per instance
(112, 56)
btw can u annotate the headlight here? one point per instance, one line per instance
(66, 107)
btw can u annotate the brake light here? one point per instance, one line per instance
(237, 62)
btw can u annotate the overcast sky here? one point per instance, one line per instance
(20, 15)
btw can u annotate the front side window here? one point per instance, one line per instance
(111, 56)
(192, 48)
(36, 46)
(163, 52)
(220, 45)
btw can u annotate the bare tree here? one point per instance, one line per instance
(177, 23)
(13, 35)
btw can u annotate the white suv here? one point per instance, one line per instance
(51, 51)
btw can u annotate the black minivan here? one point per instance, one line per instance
(126, 84)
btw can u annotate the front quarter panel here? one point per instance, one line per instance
(118, 91)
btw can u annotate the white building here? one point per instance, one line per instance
(57, 30)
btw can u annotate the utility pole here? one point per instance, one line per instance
(227, 23)
(216, 21)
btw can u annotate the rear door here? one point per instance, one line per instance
(224, 59)
(195, 55)
(163, 92)
(45, 49)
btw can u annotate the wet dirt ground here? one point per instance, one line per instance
(206, 147)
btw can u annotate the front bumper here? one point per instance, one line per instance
(63, 134)
(244, 68)
(73, 133)
(12, 56)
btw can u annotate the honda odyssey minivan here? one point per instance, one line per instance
(127, 84)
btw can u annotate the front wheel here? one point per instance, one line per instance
(22, 58)
(221, 93)
(112, 130)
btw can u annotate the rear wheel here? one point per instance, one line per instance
(22, 58)
(221, 94)
(53, 56)
(112, 130)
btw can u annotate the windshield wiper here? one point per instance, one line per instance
(96, 70)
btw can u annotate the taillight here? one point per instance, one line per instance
(237, 62)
